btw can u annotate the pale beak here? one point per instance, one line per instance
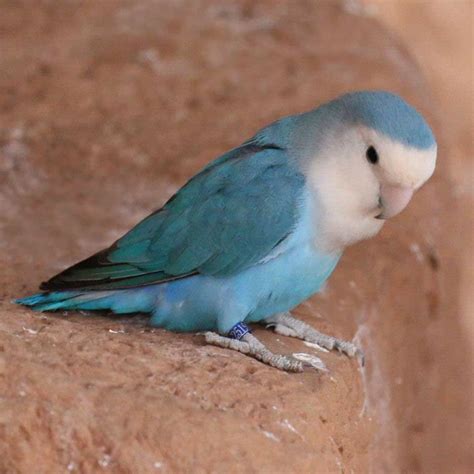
(393, 200)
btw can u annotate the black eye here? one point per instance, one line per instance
(372, 155)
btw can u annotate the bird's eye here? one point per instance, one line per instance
(372, 155)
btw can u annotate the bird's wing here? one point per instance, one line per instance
(225, 219)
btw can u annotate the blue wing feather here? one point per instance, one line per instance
(226, 218)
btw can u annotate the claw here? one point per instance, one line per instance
(286, 325)
(251, 346)
(311, 361)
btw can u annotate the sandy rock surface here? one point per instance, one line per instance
(108, 108)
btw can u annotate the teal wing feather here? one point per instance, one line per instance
(225, 219)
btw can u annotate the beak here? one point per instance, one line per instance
(393, 199)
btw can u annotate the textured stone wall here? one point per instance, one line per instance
(106, 108)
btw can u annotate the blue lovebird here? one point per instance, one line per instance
(261, 228)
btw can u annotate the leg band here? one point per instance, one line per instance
(239, 331)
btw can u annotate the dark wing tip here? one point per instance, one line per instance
(45, 285)
(65, 279)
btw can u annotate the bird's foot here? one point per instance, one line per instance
(287, 325)
(250, 345)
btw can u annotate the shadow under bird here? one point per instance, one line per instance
(261, 228)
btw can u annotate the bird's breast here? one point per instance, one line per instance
(284, 282)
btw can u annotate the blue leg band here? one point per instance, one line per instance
(238, 331)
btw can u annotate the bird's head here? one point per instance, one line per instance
(371, 152)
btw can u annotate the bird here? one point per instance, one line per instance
(261, 228)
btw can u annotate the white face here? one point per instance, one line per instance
(354, 196)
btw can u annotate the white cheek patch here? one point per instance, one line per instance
(345, 190)
(404, 165)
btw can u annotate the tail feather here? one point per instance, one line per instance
(118, 301)
(46, 301)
